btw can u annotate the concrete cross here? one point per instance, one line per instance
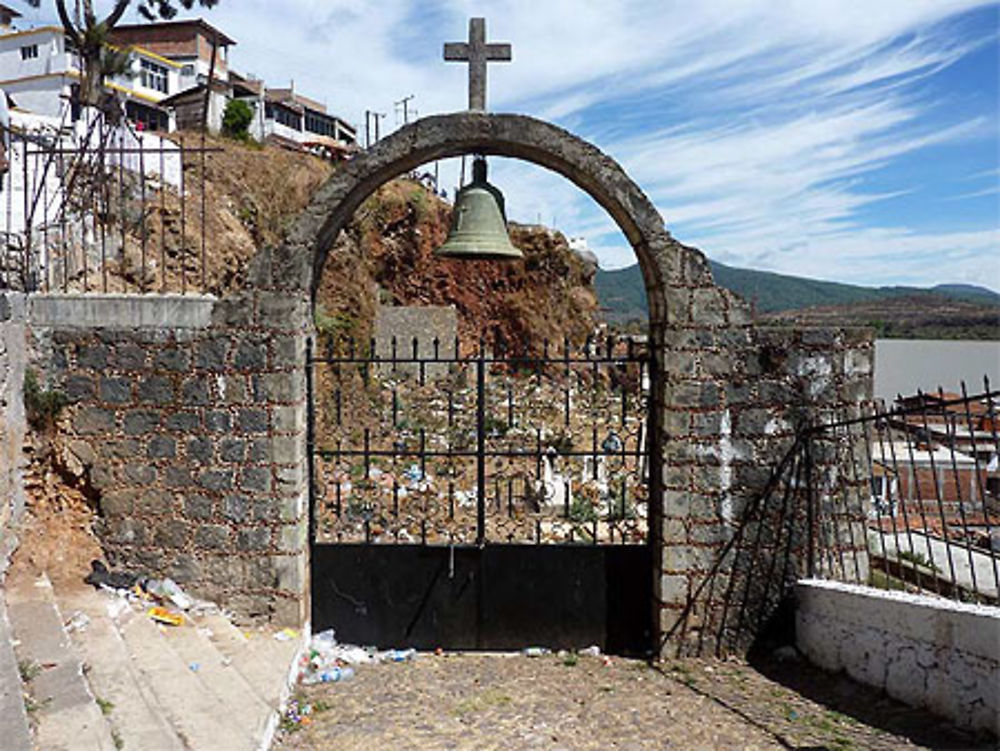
(476, 52)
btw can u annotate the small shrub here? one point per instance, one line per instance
(236, 120)
(42, 406)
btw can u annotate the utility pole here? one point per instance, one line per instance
(404, 102)
(371, 116)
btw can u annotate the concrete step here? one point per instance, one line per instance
(199, 717)
(68, 716)
(267, 664)
(14, 728)
(226, 683)
(133, 710)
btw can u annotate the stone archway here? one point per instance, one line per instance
(689, 317)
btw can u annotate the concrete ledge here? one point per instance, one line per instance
(121, 311)
(925, 651)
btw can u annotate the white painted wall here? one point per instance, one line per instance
(924, 651)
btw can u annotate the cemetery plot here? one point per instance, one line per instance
(540, 447)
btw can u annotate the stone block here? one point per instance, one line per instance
(253, 539)
(255, 479)
(252, 421)
(290, 479)
(194, 391)
(161, 447)
(218, 421)
(232, 449)
(177, 477)
(156, 390)
(266, 510)
(198, 506)
(102, 477)
(282, 311)
(216, 480)
(236, 508)
(211, 536)
(291, 509)
(172, 359)
(199, 450)
(127, 532)
(210, 354)
(287, 449)
(288, 351)
(673, 531)
(682, 364)
(673, 588)
(128, 357)
(119, 448)
(292, 573)
(259, 450)
(172, 533)
(708, 307)
(79, 387)
(93, 356)
(140, 474)
(232, 389)
(91, 420)
(182, 422)
(184, 568)
(140, 421)
(154, 502)
(250, 355)
(292, 538)
(288, 419)
(288, 386)
(118, 502)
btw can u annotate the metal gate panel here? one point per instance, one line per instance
(481, 500)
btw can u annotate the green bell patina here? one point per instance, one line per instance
(479, 224)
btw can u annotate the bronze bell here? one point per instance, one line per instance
(479, 223)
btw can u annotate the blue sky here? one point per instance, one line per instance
(852, 140)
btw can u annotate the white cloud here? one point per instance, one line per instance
(754, 127)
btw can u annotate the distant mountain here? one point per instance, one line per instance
(623, 296)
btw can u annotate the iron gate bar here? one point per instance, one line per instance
(979, 479)
(333, 355)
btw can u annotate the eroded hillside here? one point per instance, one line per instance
(253, 193)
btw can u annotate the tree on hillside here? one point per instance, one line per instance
(90, 35)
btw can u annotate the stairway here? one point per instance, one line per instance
(122, 681)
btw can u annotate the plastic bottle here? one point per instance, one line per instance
(334, 675)
(398, 655)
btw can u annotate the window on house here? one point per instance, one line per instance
(187, 70)
(29, 52)
(287, 118)
(153, 76)
(318, 124)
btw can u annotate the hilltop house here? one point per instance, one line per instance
(164, 88)
(280, 115)
(40, 72)
(188, 45)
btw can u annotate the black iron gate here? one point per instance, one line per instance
(484, 499)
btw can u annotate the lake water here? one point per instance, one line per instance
(904, 365)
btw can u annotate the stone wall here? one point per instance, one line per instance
(432, 329)
(736, 396)
(12, 421)
(924, 651)
(187, 420)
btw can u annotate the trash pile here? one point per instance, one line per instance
(326, 661)
(163, 599)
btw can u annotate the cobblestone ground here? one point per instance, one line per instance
(472, 701)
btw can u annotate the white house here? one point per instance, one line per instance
(40, 71)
